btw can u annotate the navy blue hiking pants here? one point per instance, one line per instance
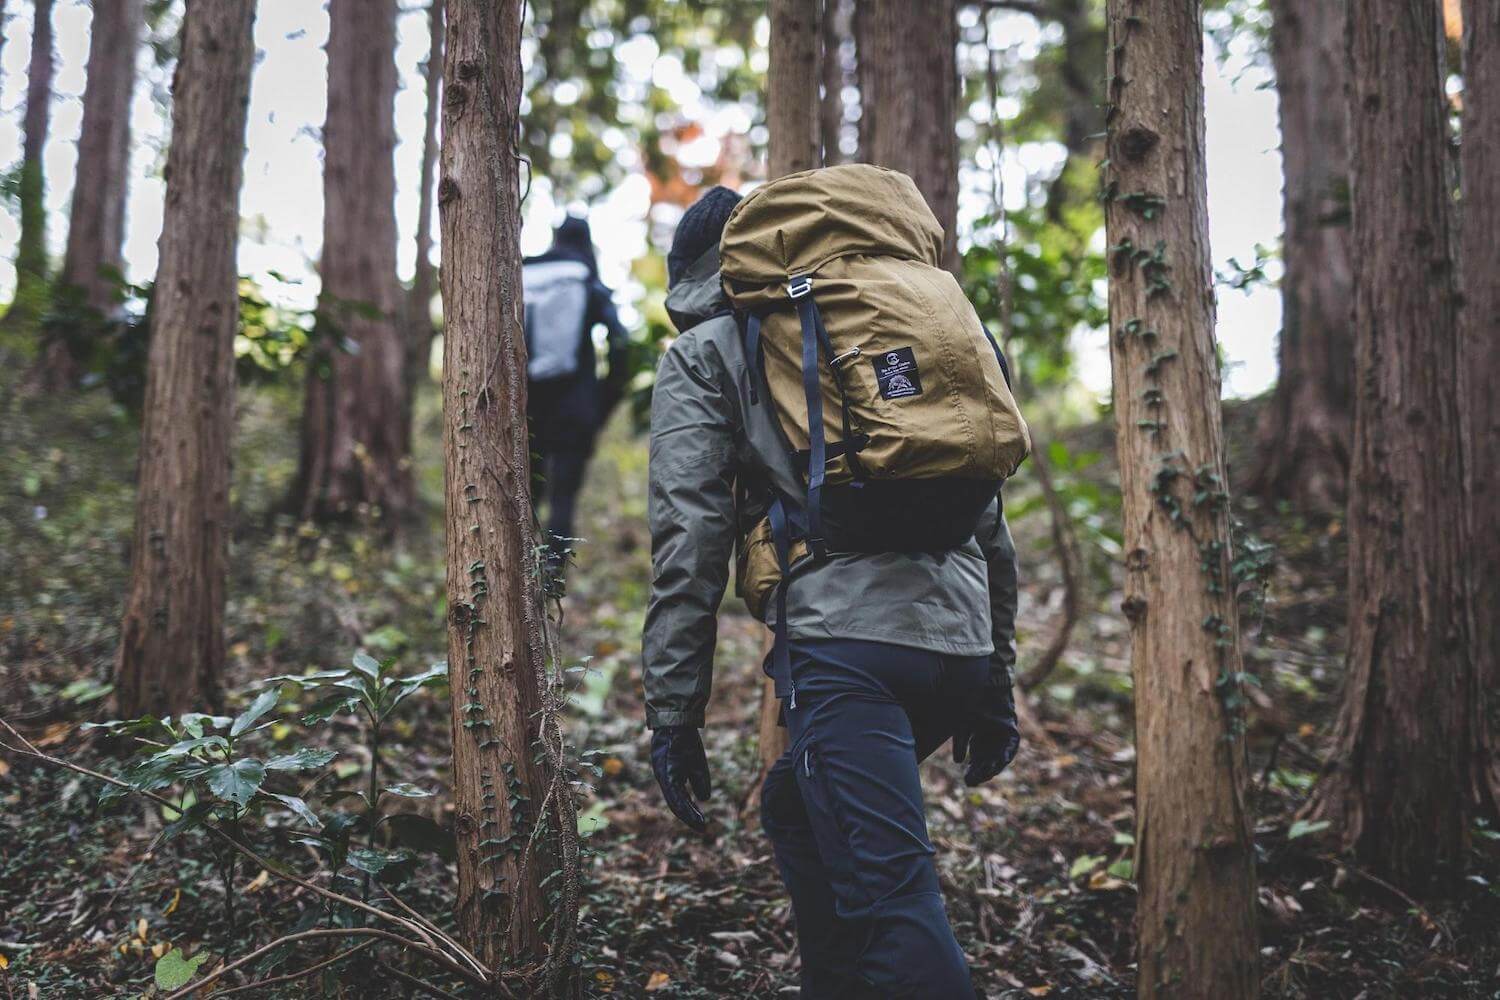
(843, 810)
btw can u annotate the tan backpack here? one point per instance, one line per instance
(888, 388)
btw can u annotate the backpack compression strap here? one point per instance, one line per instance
(800, 290)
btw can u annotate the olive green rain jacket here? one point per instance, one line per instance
(712, 457)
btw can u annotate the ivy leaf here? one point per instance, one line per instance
(238, 781)
(303, 759)
(299, 807)
(174, 970)
(262, 704)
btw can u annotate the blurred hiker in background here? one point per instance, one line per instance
(567, 400)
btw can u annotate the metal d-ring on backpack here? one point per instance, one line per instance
(836, 274)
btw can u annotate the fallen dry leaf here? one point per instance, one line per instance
(657, 981)
(55, 734)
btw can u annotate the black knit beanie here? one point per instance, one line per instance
(700, 228)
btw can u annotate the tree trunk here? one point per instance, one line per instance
(172, 637)
(495, 640)
(1303, 451)
(908, 69)
(424, 278)
(1480, 154)
(1195, 916)
(792, 87)
(30, 300)
(354, 449)
(89, 283)
(96, 225)
(834, 27)
(1411, 741)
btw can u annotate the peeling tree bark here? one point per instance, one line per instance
(909, 77)
(496, 649)
(1195, 916)
(172, 637)
(1303, 451)
(354, 442)
(1411, 741)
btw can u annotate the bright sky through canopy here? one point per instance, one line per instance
(281, 205)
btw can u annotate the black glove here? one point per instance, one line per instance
(678, 759)
(988, 734)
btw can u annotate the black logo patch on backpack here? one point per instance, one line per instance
(897, 373)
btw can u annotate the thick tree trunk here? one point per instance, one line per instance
(1411, 740)
(496, 648)
(96, 222)
(1481, 322)
(909, 76)
(354, 449)
(1304, 435)
(424, 278)
(1195, 916)
(172, 638)
(792, 87)
(30, 300)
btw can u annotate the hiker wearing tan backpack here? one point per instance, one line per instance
(835, 414)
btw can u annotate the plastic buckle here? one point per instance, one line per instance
(800, 285)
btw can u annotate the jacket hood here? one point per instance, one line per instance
(699, 295)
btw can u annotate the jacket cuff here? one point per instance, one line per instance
(660, 719)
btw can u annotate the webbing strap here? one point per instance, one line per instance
(1000, 357)
(752, 356)
(781, 655)
(817, 460)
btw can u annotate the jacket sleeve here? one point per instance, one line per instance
(690, 507)
(1000, 556)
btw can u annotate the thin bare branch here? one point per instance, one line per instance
(325, 932)
(293, 976)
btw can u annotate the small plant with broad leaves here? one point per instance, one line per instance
(200, 762)
(371, 690)
(221, 772)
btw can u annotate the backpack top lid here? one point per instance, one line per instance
(797, 223)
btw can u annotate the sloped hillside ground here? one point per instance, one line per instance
(1036, 864)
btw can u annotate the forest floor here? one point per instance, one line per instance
(1036, 865)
